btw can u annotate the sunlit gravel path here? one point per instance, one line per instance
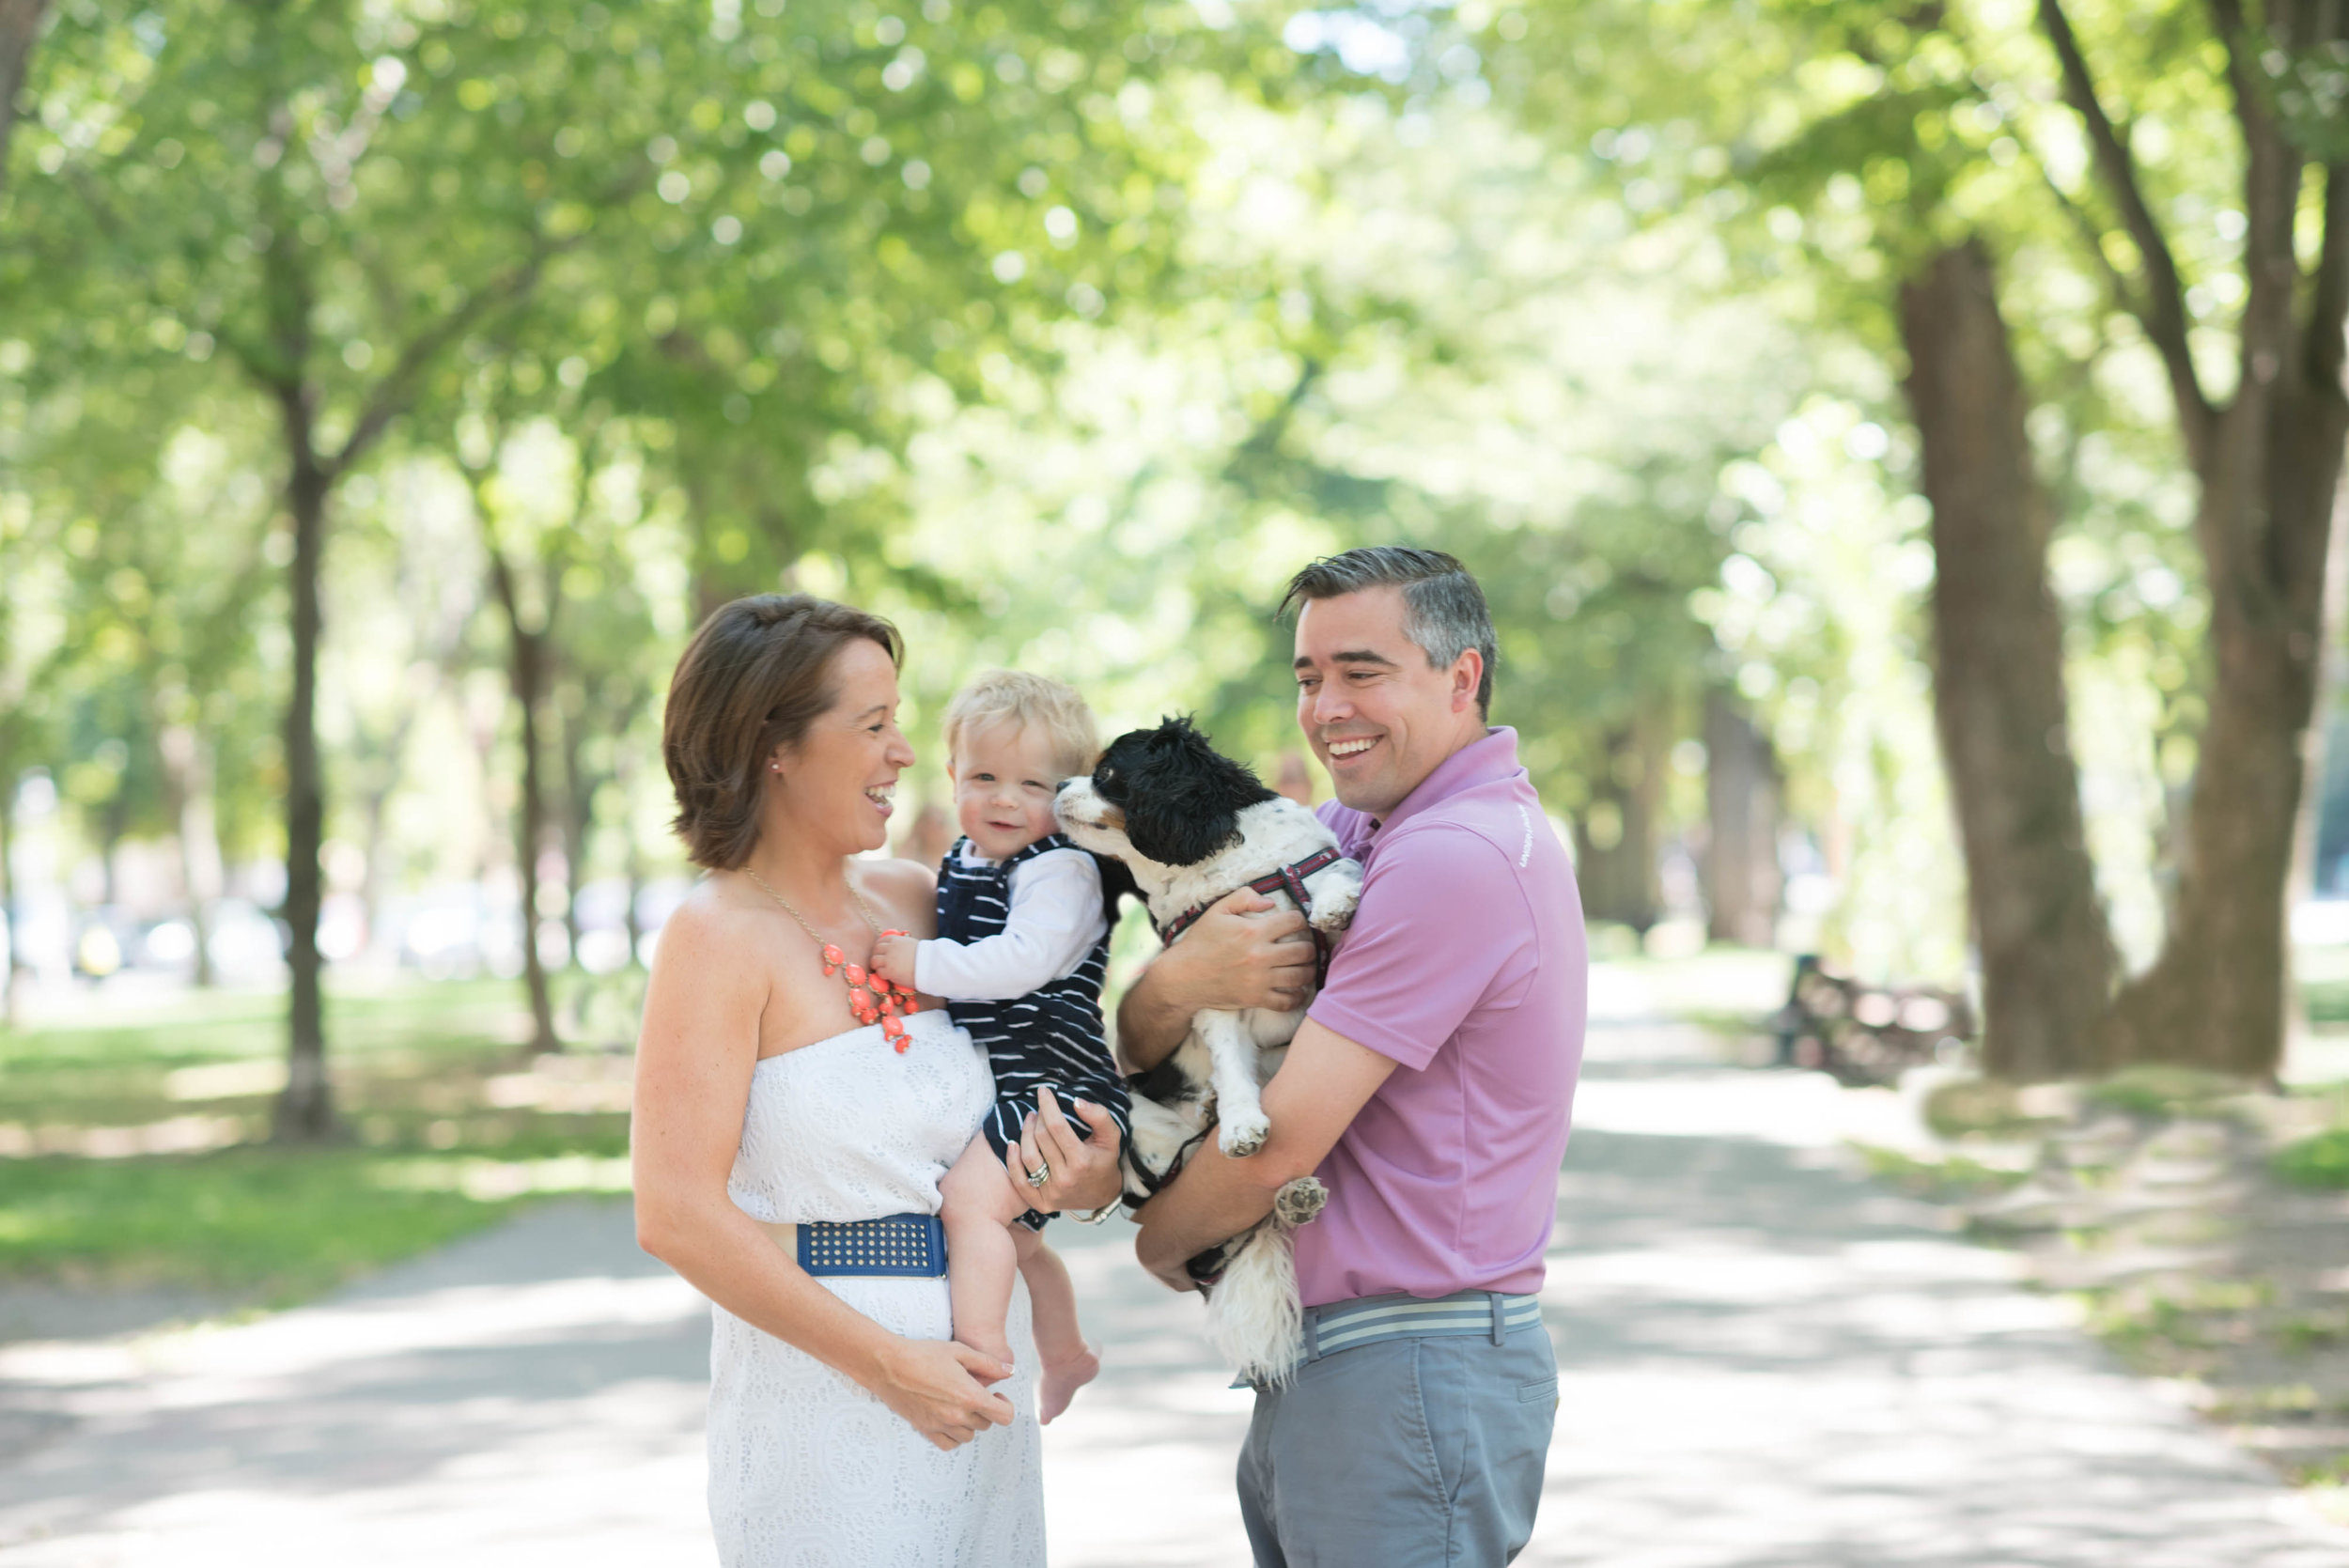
(1767, 1364)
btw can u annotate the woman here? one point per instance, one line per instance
(845, 1426)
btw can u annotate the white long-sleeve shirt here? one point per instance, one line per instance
(1054, 919)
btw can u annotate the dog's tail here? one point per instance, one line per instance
(1254, 1317)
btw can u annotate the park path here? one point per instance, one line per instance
(1765, 1364)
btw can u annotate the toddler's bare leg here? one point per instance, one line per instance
(1067, 1363)
(981, 1257)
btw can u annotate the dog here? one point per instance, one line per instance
(1192, 825)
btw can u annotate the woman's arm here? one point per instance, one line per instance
(694, 1059)
(1245, 952)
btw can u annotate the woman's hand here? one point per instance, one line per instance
(938, 1387)
(1085, 1173)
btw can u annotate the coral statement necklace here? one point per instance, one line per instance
(882, 1002)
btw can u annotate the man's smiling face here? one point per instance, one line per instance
(1377, 715)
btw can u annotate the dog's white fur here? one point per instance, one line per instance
(1227, 1057)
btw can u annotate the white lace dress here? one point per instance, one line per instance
(806, 1468)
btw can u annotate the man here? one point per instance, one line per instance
(1429, 1088)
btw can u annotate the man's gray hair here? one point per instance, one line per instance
(1443, 608)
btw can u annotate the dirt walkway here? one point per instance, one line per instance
(1767, 1364)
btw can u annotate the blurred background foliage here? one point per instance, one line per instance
(1061, 333)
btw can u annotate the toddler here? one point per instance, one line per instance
(1022, 939)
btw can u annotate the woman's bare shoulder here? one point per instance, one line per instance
(713, 919)
(907, 888)
(898, 876)
(711, 975)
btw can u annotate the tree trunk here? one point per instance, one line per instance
(1615, 837)
(114, 826)
(1998, 696)
(305, 1112)
(2300, 884)
(1742, 883)
(19, 29)
(527, 668)
(383, 782)
(188, 788)
(11, 999)
(376, 810)
(632, 855)
(2268, 462)
(579, 808)
(2214, 998)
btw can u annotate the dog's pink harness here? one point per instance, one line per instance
(1289, 879)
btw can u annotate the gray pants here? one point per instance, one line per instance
(1407, 1454)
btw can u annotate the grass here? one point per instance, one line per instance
(2271, 1403)
(2156, 1090)
(2311, 1331)
(450, 1128)
(1945, 1180)
(270, 1224)
(2176, 1330)
(2319, 1161)
(1980, 1108)
(2327, 1000)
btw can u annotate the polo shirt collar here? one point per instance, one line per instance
(1490, 760)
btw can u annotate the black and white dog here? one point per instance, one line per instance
(1192, 825)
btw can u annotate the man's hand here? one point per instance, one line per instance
(893, 959)
(1246, 951)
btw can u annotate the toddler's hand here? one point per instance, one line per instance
(893, 959)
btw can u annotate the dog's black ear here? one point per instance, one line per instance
(1183, 798)
(1111, 775)
(1170, 827)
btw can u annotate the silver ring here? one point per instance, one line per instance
(1042, 1173)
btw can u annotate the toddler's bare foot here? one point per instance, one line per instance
(1061, 1379)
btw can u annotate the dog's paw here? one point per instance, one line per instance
(1243, 1136)
(1300, 1201)
(1334, 917)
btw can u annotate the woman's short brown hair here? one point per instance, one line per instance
(753, 679)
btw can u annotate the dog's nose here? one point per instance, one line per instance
(1062, 788)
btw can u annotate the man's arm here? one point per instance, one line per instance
(1322, 1085)
(1245, 952)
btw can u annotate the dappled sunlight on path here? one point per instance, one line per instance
(1767, 1363)
(531, 1396)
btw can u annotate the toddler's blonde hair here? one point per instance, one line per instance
(1018, 697)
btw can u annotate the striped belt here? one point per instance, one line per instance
(902, 1245)
(1371, 1319)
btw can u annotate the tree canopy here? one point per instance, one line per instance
(385, 391)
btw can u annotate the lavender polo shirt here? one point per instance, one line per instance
(1466, 964)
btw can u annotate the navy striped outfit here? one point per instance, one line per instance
(1051, 1036)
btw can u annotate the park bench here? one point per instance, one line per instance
(1863, 1034)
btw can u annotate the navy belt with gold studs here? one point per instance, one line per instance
(900, 1246)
